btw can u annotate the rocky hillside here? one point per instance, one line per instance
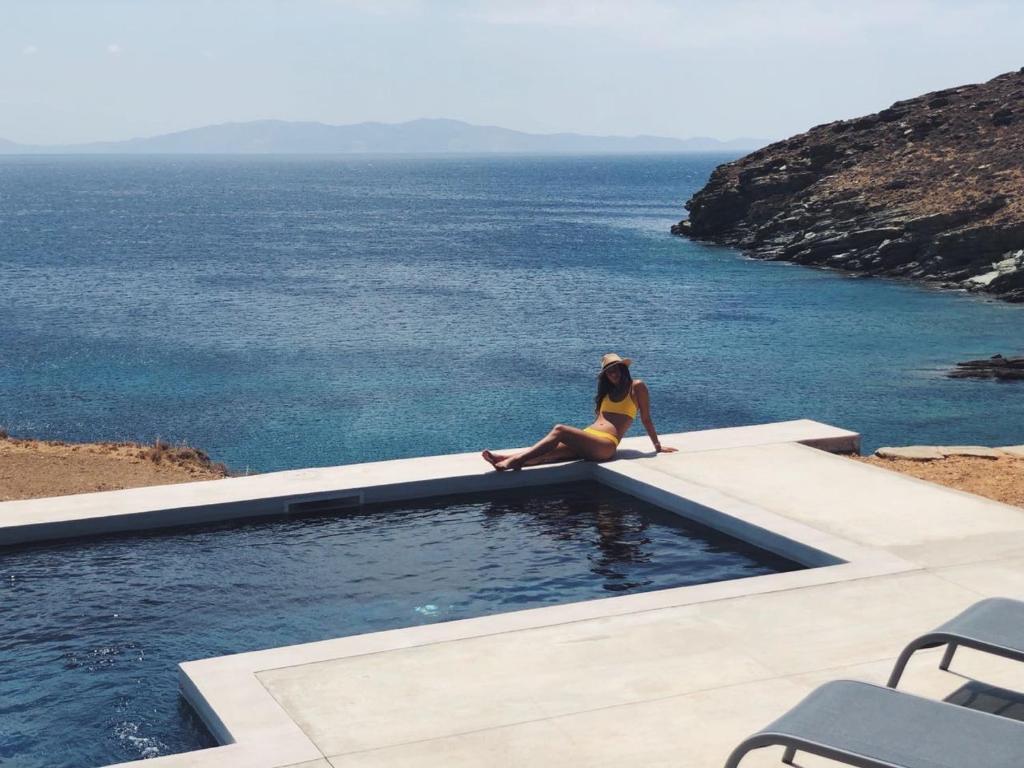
(931, 188)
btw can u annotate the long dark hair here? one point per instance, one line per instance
(604, 387)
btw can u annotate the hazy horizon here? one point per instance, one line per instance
(760, 140)
(112, 70)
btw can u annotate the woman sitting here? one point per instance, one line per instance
(619, 398)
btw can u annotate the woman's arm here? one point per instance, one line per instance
(643, 403)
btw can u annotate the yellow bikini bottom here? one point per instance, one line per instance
(603, 435)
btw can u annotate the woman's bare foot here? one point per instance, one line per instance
(512, 462)
(493, 458)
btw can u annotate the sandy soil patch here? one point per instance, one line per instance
(1001, 479)
(32, 469)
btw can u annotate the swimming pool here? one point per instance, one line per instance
(92, 629)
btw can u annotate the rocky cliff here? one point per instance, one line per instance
(931, 188)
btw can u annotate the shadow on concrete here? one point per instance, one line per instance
(988, 698)
(632, 453)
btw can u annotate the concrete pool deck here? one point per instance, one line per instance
(674, 677)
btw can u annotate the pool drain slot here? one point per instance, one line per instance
(320, 506)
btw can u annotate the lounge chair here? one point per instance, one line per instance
(869, 726)
(994, 625)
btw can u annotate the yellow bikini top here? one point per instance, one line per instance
(625, 406)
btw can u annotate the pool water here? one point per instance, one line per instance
(91, 630)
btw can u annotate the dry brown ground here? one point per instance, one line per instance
(1001, 479)
(32, 469)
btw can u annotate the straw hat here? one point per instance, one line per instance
(612, 359)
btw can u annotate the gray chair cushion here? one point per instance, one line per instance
(899, 729)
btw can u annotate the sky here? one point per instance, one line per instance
(90, 70)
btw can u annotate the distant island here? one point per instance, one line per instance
(417, 136)
(931, 188)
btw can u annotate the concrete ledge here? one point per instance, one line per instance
(137, 509)
(729, 515)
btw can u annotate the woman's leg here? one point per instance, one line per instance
(586, 446)
(560, 452)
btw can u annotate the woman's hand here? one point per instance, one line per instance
(659, 448)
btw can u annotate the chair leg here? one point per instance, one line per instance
(901, 664)
(947, 657)
(754, 742)
(789, 756)
(736, 756)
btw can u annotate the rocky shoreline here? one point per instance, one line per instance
(995, 367)
(931, 188)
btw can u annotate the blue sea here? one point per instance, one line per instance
(285, 312)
